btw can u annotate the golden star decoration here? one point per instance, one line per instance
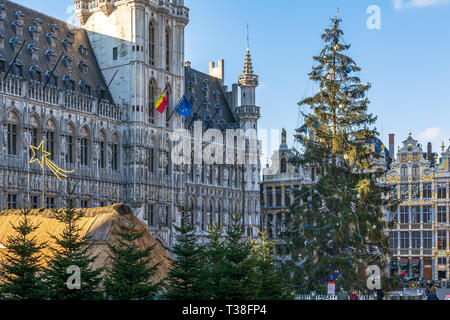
(44, 161)
(44, 154)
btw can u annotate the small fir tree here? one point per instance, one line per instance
(132, 272)
(69, 274)
(22, 264)
(272, 284)
(239, 270)
(186, 278)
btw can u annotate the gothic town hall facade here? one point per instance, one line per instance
(88, 94)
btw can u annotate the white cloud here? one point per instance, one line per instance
(434, 135)
(402, 4)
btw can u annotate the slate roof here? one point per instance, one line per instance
(46, 38)
(209, 101)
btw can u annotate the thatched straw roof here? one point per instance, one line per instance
(98, 224)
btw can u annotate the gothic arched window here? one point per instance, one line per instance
(204, 215)
(84, 147)
(152, 100)
(211, 212)
(167, 49)
(152, 156)
(13, 124)
(115, 152)
(102, 151)
(152, 43)
(36, 135)
(50, 137)
(70, 152)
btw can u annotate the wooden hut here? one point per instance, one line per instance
(98, 225)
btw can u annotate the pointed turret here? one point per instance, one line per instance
(247, 78)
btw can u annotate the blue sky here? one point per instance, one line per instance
(407, 61)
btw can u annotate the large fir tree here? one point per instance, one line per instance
(132, 271)
(22, 264)
(336, 228)
(72, 250)
(186, 278)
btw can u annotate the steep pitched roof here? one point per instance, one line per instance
(209, 102)
(46, 38)
(98, 224)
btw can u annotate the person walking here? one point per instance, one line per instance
(342, 295)
(353, 296)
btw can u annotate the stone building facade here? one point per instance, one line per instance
(420, 234)
(278, 188)
(96, 115)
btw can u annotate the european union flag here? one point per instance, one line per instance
(184, 107)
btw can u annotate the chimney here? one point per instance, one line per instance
(392, 146)
(430, 151)
(219, 71)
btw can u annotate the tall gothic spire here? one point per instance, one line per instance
(248, 79)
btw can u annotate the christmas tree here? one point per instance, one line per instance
(130, 277)
(186, 278)
(238, 270)
(336, 227)
(214, 257)
(272, 285)
(69, 274)
(20, 270)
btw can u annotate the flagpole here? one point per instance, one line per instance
(51, 73)
(198, 109)
(209, 123)
(109, 84)
(14, 61)
(174, 110)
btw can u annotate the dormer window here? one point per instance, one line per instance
(18, 69)
(32, 48)
(53, 81)
(17, 23)
(85, 88)
(70, 84)
(33, 30)
(54, 27)
(82, 50)
(83, 66)
(67, 44)
(13, 41)
(50, 54)
(50, 36)
(2, 11)
(36, 73)
(67, 60)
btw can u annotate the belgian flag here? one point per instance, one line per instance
(161, 103)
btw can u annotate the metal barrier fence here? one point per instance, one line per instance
(392, 296)
(323, 297)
